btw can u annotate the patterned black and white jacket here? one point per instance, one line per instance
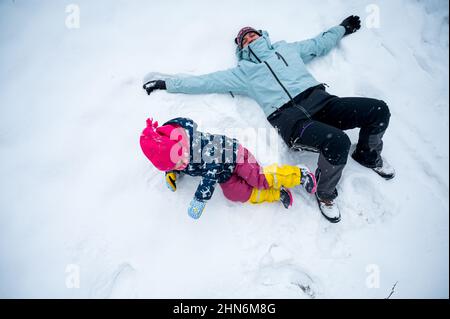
(211, 156)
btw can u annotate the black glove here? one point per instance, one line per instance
(351, 24)
(154, 85)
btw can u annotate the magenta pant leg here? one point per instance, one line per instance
(249, 169)
(236, 189)
(247, 175)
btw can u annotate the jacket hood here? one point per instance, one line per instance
(185, 123)
(261, 47)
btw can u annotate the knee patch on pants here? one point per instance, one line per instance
(382, 116)
(336, 149)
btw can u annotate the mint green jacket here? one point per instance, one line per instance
(271, 74)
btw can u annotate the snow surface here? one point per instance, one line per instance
(76, 192)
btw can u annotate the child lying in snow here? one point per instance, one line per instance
(178, 148)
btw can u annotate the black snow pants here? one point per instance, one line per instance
(323, 131)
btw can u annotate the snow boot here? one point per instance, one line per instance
(386, 171)
(270, 195)
(286, 197)
(308, 180)
(329, 209)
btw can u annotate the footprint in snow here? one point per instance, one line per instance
(364, 198)
(277, 269)
(120, 283)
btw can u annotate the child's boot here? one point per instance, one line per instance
(272, 195)
(290, 176)
(308, 180)
(286, 197)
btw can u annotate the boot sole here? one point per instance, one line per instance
(386, 177)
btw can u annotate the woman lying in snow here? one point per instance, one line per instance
(178, 148)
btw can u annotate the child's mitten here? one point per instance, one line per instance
(196, 208)
(171, 178)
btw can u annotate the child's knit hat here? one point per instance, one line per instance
(159, 146)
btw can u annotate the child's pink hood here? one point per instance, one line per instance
(160, 145)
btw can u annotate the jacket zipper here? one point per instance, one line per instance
(281, 84)
(281, 57)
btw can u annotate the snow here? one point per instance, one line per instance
(78, 197)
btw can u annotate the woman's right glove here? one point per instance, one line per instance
(196, 208)
(351, 24)
(150, 86)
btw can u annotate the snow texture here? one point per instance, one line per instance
(78, 199)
